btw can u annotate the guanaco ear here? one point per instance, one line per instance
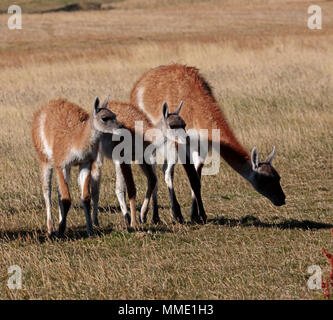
(254, 158)
(165, 110)
(96, 105)
(271, 156)
(179, 107)
(106, 101)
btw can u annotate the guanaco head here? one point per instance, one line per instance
(104, 120)
(173, 125)
(265, 178)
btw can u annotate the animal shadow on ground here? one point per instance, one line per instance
(79, 232)
(76, 233)
(251, 221)
(73, 233)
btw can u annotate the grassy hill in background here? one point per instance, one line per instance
(43, 6)
(39, 6)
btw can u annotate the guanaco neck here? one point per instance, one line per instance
(237, 158)
(230, 149)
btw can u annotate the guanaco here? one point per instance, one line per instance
(172, 129)
(201, 111)
(65, 135)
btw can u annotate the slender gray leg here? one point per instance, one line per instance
(168, 169)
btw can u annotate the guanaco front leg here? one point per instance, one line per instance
(168, 170)
(197, 204)
(193, 173)
(84, 182)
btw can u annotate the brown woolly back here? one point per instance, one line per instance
(175, 83)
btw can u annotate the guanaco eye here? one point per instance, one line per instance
(105, 119)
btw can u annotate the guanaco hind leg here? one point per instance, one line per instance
(96, 170)
(131, 190)
(64, 199)
(152, 181)
(46, 176)
(67, 172)
(121, 193)
(156, 218)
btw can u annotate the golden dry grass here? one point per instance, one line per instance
(273, 78)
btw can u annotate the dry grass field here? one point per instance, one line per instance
(272, 77)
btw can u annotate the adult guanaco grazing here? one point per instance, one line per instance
(65, 135)
(201, 111)
(172, 130)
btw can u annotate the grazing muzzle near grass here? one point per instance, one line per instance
(265, 179)
(269, 186)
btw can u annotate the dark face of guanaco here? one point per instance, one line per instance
(265, 179)
(173, 125)
(104, 120)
